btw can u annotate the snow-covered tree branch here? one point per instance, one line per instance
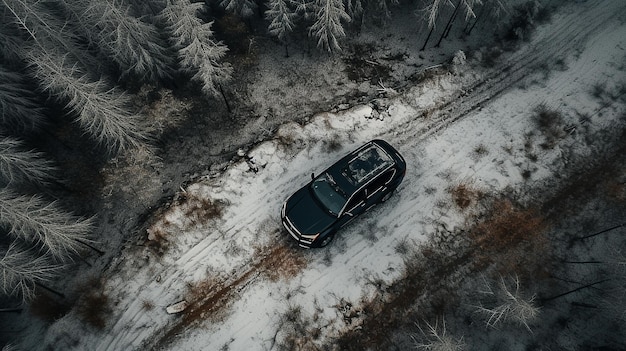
(328, 27)
(198, 51)
(21, 270)
(18, 165)
(35, 221)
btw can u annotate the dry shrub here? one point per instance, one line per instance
(147, 305)
(507, 226)
(201, 289)
(332, 145)
(465, 195)
(511, 239)
(283, 262)
(93, 307)
(550, 122)
(285, 139)
(202, 210)
(157, 240)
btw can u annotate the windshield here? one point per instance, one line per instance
(328, 193)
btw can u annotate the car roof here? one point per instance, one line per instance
(361, 165)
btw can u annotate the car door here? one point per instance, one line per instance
(356, 205)
(378, 188)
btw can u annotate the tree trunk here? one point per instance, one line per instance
(480, 14)
(225, 100)
(427, 38)
(456, 9)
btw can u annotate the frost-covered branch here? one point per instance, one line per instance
(281, 17)
(133, 44)
(437, 338)
(510, 305)
(198, 51)
(102, 111)
(243, 8)
(18, 165)
(21, 270)
(328, 27)
(35, 221)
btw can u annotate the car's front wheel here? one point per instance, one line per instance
(327, 240)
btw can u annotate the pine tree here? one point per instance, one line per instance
(281, 17)
(21, 270)
(306, 8)
(19, 111)
(18, 165)
(242, 8)
(131, 43)
(328, 27)
(34, 221)
(100, 110)
(198, 51)
(45, 24)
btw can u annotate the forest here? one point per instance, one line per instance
(72, 68)
(76, 77)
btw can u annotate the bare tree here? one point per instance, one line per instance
(21, 270)
(198, 51)
(35, 221)
(509, 305)
(18, 165)
(438, 339)
(328, 27)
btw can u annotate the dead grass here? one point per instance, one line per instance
(465, 194)
(331, 145)
(283, 263)
(201, 210)
(479, 152)
(551, 124)
(511, 239)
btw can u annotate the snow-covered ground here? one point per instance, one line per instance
(448, 133)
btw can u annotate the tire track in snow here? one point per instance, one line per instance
(559, 40)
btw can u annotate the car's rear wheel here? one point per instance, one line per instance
(327, 240)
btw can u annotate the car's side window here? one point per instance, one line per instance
(380, 182)
(355, 201)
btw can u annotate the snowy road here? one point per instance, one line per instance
(438, 126)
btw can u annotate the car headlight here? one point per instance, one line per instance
(309, 238)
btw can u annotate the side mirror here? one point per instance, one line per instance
(312, 176)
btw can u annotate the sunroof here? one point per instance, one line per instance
(367, 163)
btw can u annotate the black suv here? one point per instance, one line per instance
(361, 179)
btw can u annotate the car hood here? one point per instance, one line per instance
(306, 214)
